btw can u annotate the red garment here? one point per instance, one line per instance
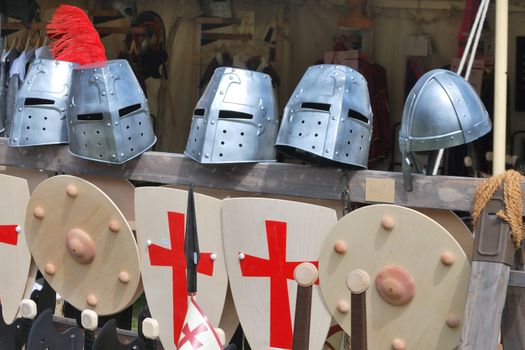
(381, 143)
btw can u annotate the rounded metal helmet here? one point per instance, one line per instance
(443, 110)
(108, 117)
(41, 104)
(235, 120)
(329, 116)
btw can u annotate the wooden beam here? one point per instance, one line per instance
(440, 192)
(485, 301)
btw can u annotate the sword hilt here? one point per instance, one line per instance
(89, 320)
(306, 275)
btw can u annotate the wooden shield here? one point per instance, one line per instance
(121, 192)
(160, 218)
(264, 240)
(454, 225)
(15, 258)
(418, 277)
(83, 245)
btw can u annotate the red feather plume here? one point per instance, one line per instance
(75, 37)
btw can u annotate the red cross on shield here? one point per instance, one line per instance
(160, 220)
(264, 240)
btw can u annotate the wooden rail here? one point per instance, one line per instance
(441, 192)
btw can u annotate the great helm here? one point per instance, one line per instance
(41, 105)
(235, 120)
(442, 111)
(108, 117)
(329, 116)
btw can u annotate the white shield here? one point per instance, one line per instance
(15, 258)
(160, 219)
(83, 245)
(264, 240)
(417, 277)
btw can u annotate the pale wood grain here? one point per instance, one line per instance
(440, 192)
(15, 260)
(486, 298)
(415, 243)
(91, 211)
(244, 231)
(152, 205)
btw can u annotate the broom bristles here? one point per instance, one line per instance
(75, 39)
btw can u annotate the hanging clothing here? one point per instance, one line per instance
(375, 74)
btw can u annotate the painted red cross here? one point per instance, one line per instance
(8, 234)
(279, 271)
(191, 336)
(175, 258)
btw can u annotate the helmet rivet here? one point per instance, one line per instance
(114, 155)
(20, 109)
(122, 154)
(470, 132)
(268, 118)
(221, 92)
(96, 78)
(108, 124)
(336, 153)
(112, 93)
(327, 151)
(16, 140)
(57, 63)
(207, 155)
(116, 123)
(62, 109)
(212, 122)
(333, 117)
(231, 77)
(259, 125)
(103, 93)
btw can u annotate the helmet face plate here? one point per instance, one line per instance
(41, 104)
(236, 119)
(108, 116)
(443, 110)
(329, 116)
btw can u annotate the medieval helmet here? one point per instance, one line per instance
(329, 116)
(108, 117)
(41, 104)
(235, 120)
(443, 110)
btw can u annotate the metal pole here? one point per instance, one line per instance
(500, 86)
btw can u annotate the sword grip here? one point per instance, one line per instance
(303, 309)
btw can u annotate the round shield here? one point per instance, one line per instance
(15, 258)
(454, 225)
(416, 274)
(160, 219)
(264, 240)
(121, 192)
(83, 245)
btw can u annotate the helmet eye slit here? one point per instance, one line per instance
(358, 116)
(199, 112)
(128, 110)
(32, 101)
(314, 105)
(224, 114)
(90, 116)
